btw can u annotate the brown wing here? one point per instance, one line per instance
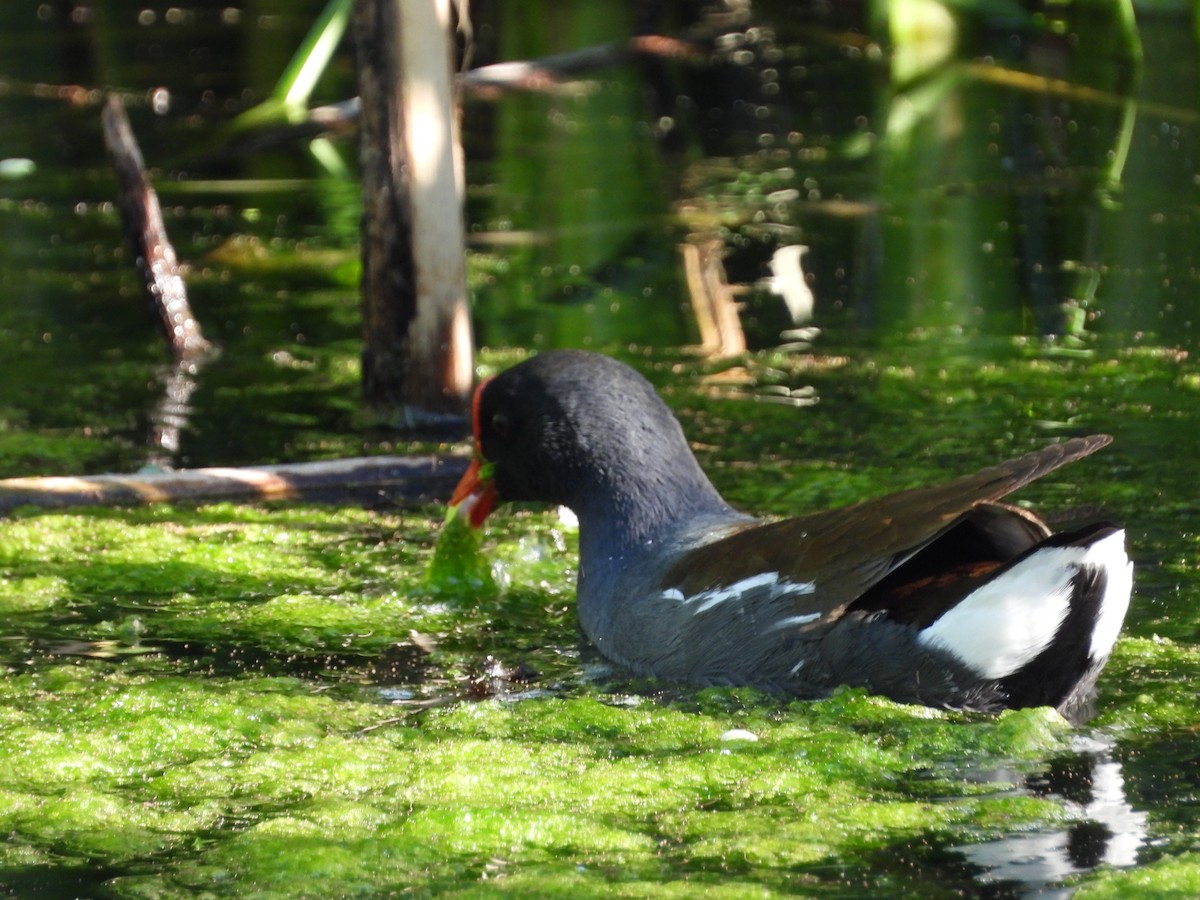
(843, 552)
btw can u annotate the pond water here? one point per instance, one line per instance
(1001, 223)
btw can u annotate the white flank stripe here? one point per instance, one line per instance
(1007, 622)
(706, 600)
(791, 621)
(1110, 555)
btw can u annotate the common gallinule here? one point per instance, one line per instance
(938, 595)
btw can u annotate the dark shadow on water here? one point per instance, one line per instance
(399, 664)
(49, 882)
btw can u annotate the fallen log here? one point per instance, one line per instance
(372, 480)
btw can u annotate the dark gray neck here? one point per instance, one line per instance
(626, 547)
(644, 513)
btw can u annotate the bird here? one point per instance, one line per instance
(939, 595)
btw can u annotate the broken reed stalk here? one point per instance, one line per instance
(418, 352)
(713, 304)
(152, 250)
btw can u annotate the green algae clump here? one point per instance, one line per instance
(458, 563)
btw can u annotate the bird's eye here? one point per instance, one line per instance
(501, 425)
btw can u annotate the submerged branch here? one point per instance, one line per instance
(544, 73)
(273, 125)
(152, 250)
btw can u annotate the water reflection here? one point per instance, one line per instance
(170, 416)
(995, 186)
(1106, 829)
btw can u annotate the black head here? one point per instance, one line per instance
(566, 421)
(588, 432)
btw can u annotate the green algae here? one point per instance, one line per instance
(1170, 877)
(287, 792)
(275, 701)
